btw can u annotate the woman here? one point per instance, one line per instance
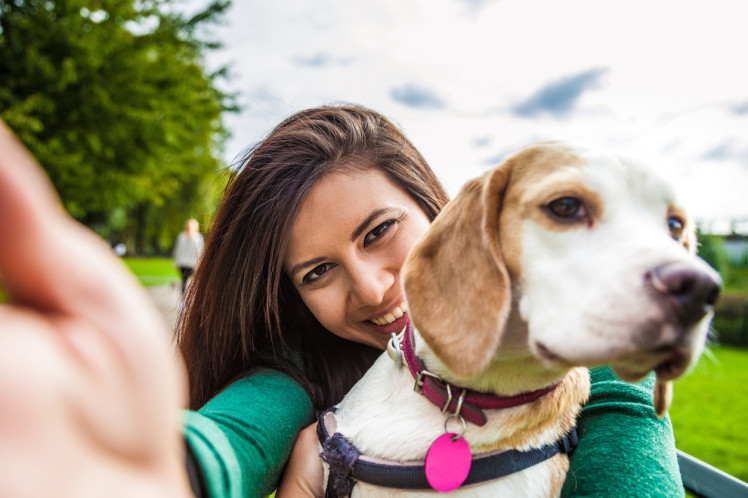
(303, 259)
(269, 336)
(245, 317)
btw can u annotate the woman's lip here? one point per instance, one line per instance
(388, 329)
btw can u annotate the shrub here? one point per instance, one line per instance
(712, 250)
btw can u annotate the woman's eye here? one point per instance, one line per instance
(378, 231)
(317, 272)
(675, 225)
(567, 207)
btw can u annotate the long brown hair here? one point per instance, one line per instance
(243, 312)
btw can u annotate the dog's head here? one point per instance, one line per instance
(592, 250)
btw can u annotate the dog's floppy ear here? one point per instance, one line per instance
(455, 280)
(663, 396)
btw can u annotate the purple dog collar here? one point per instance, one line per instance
(458, 400)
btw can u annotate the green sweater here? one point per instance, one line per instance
(243, 437)
(624, 449)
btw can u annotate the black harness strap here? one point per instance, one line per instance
(347, 465)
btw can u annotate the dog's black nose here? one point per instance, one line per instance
(691, 291)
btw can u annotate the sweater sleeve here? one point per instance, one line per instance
(243, 437)
(624, 449)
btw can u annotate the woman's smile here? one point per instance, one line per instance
(392, 322)
(347, 246)
(391, 316)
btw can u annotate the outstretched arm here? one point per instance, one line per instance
(89, 383)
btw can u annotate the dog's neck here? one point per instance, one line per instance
(513, 370)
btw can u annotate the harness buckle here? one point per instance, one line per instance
(418, 386)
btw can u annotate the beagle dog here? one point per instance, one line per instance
(559, 259)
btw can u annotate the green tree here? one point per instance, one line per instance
(113, 98)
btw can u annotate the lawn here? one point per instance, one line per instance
(149, 271)
(153, 271)
(710, 410)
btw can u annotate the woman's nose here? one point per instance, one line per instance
(370, 285)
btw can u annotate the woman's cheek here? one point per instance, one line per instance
(327, 306)
(407, 243)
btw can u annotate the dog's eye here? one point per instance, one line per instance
(567, 207)
(675, 225)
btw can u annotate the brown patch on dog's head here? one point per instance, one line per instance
(455, 280)
(541, 173)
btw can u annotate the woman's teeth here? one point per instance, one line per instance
(391, 316)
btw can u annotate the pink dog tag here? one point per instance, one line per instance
(448, 462)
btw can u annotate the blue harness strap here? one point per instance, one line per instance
(347, 466)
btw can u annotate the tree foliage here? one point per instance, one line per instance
(712, 250)
(113, 98)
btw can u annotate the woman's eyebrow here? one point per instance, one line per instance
(367, 221)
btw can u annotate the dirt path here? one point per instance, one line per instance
(166, 298)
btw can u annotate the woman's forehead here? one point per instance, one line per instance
(341, 195)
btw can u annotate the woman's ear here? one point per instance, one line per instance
(455, 280)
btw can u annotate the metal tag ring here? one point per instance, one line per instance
(464, 426)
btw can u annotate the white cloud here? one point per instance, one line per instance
(671, 90)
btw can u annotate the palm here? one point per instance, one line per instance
(89, 386)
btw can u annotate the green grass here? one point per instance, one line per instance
(153, 271)
(710, 411)
(149, 271)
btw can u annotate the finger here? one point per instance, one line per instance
(27, 203)
(48, 261)
(55, 266)
(304, 474)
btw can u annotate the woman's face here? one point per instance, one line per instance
(347, 245)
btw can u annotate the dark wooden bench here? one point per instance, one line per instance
(702, 480)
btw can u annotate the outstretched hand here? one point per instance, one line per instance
(90, 387)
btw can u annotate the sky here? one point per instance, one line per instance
(472, 81)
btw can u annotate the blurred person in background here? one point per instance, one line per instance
(187, 250)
